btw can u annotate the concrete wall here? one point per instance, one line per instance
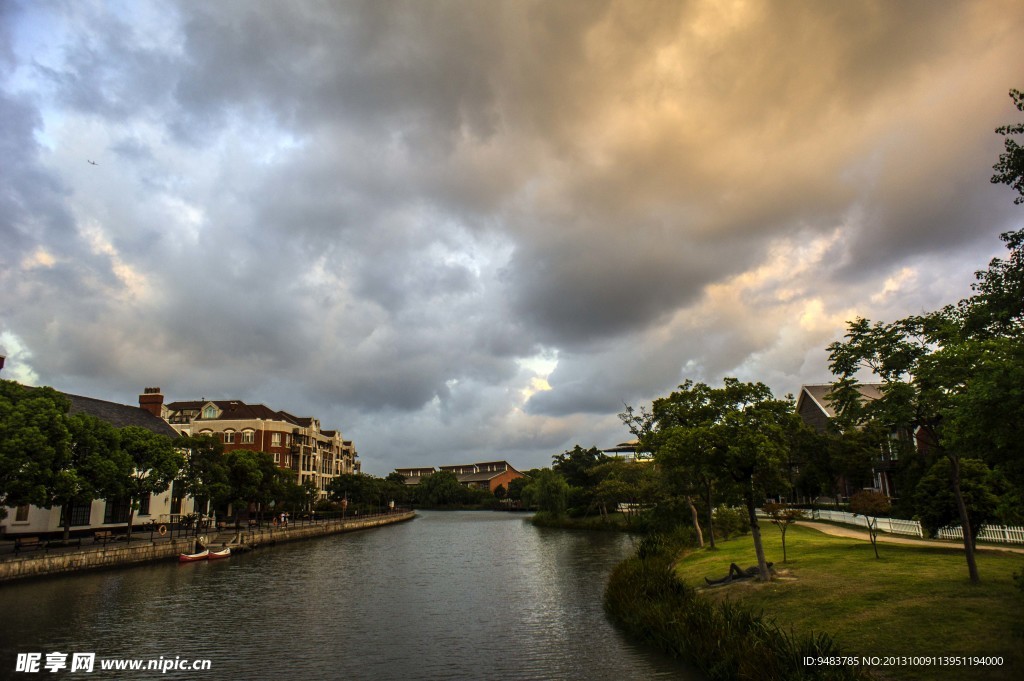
(88, 559)
(271, 535)
(113, 555)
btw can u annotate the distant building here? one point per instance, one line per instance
(629, 452)
(103, 513)
(297, 443)
(487, 475)
(817, 411)
(412, 476)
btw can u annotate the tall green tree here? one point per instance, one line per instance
(255, 482)
(548, 491)
(204, 474)
(440, 489)
(936, 505)
(954, 375)
(34, 443)
(95, 466)
(155, 465)
(917, 386)
(736, 437)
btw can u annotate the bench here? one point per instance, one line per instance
(27, 544)
(103, 536)
(61, 543)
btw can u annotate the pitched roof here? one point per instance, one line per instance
(818, 394)
(236, 410)
(119, 415)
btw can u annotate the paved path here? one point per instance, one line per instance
(861, 533)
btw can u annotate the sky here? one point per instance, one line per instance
(467, 231)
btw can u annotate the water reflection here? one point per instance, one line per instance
(447, 596)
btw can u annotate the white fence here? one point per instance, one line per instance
(994, 533)
(890, 525)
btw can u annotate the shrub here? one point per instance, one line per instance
(730, 522)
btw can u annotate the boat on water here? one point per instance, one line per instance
(223, 553)
(192, 557)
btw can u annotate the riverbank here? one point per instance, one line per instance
(616, 522)
(646, 599)
(912, 602)
(116, 554)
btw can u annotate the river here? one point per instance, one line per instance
(449, 595)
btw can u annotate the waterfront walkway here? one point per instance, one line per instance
(50, 557)
(861, 533)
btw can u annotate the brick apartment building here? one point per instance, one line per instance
(297, 443)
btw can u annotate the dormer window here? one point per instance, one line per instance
(210, 412)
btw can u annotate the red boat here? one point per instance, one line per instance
(192, 557)
(223, 553)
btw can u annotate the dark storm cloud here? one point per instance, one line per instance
(378, 212)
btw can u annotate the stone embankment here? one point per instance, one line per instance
(122, 555)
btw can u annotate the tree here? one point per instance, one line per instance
(205, 472)
(440, 489)
(870, 504)
(755, 455)
(548, 491)
(1010, 166)
(155, 465)
(310, 493)
(255, 480)
(34, 442)
(937, 507)
(915, 394)
(576, 467)
(95, 466)
(515, 488)
(950, 379)
(736, 436)
(782, 515)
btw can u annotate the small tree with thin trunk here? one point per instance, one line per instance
(783, 515)
(155, 464)
(870, 504)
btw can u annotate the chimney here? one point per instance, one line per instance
(152, 400)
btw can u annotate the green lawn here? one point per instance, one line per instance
(913, 601)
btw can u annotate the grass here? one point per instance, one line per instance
(913, 601)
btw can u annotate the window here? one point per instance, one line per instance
(81, 514)
(116, 511)
(275, 439)
(176, 496)
(210, 412)
(229, 437)
(277, 457)
(248, 437)
(144, 504)
(21, 515)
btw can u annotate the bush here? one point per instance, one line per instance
(668, 544)
(730, 522)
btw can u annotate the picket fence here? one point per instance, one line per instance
(994, 533)
(991, 533)
(890, 525)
